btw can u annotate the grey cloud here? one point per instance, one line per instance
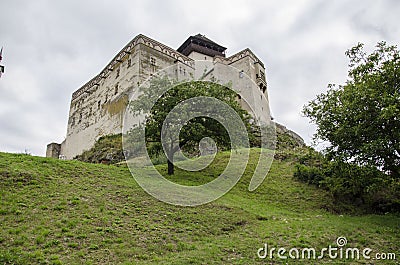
(54, 47)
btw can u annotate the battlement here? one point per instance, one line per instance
(139, 39)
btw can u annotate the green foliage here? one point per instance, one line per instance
(361, 118)
(349, 184)
(285, 141)
(310, 175)
(107, 149)
(194, 129)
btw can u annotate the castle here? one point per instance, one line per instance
(97, 108)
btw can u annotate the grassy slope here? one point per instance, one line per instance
(69, 212)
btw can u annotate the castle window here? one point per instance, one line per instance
(129, 63)
(99, 104)
(116, 89)
(80, 117)
(153, 64)
(117, 73)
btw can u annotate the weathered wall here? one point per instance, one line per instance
(98, 107)
(53, 150)
(99, 111)
(198, 56)
(248, 65)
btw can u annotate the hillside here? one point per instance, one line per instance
(70, 212)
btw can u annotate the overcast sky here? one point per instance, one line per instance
(51, 48)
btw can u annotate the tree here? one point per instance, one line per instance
(184, 132)
(361, 119)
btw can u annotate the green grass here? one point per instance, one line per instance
(70, 212)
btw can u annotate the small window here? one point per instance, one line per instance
(129, 63)
(117, 73)
(80, 117)
(99, 104)
(153, 64)
(116, 89)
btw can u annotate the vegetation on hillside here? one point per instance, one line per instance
(69, 212)
(364, 188)
(360, 121)
(108, 149)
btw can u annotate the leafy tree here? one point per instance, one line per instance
(193, 130)
(361, 119)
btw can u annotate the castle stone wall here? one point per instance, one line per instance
(97, 108)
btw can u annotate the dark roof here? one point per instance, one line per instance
(204, 38)
(201, 44)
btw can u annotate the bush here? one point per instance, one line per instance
(310, 175)
(365, 187)
(107, 148)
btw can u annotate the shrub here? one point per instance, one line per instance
(107, 148)
(365, 187)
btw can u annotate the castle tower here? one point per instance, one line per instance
(199, 47)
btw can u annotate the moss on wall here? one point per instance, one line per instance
(116, 106)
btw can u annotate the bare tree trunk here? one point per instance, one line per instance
(170, 168)
(170, 158)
